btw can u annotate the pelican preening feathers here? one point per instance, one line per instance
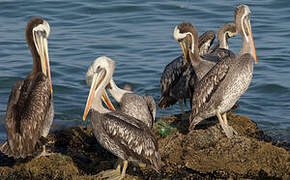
(125, 136)
(179, 77)
(30, 110)
(215, 81)
(212, 78)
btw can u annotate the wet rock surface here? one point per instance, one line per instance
(204, 153)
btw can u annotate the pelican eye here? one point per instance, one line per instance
(41, 33)
(97, 69)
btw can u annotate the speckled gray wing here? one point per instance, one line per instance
(28, 104)
(137, 107)
(134, 137)
(205, 41)
(207, 86)
(151, 106)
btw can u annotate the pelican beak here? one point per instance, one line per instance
(41, 46)
(107, 101)
(98, 77)
(183, 47)
(254, 49)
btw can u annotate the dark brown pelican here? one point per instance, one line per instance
(223, 85)
(142, 108)
(178, 78)
(126, 137)
(30, 110)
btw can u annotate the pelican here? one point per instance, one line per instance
(125, 136)
(30, 109)
(223, 85)
(142, 108)
(221, 49)
(180, 76)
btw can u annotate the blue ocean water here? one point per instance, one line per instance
(138, 36)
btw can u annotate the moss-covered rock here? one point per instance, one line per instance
(204, 153)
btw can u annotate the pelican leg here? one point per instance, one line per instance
(112, 173)
(124, 169)
(222, 123)
(230, 131)
(181, 105)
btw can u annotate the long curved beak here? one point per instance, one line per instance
(98, 77)
(41, 45)
(183, 47)
(107, 101)
(253, 44)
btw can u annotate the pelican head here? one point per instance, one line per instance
(187, 36)
(37, 32)
(98, 77)
(224, 33)
(243, 25)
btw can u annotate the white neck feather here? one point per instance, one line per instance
(117, 92)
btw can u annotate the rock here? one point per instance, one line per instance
(204, 153)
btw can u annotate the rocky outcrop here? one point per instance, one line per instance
(204, 153)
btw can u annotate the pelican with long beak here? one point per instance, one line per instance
(180, 76)
(30, 109)
(125, 136)
(142, 108)
(223, 85)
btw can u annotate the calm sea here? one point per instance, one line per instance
(138, 36)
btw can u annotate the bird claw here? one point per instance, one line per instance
(44, 153)
(229, 131)
(114, 174)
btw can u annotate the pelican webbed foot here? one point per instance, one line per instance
(229, 131)
(116, 174)
(111, 173)
(44, 152)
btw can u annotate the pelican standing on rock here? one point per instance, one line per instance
(125, 136)
(179, 77)
(223, 85)
(30, 109)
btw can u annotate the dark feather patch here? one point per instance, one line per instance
(26, 112)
